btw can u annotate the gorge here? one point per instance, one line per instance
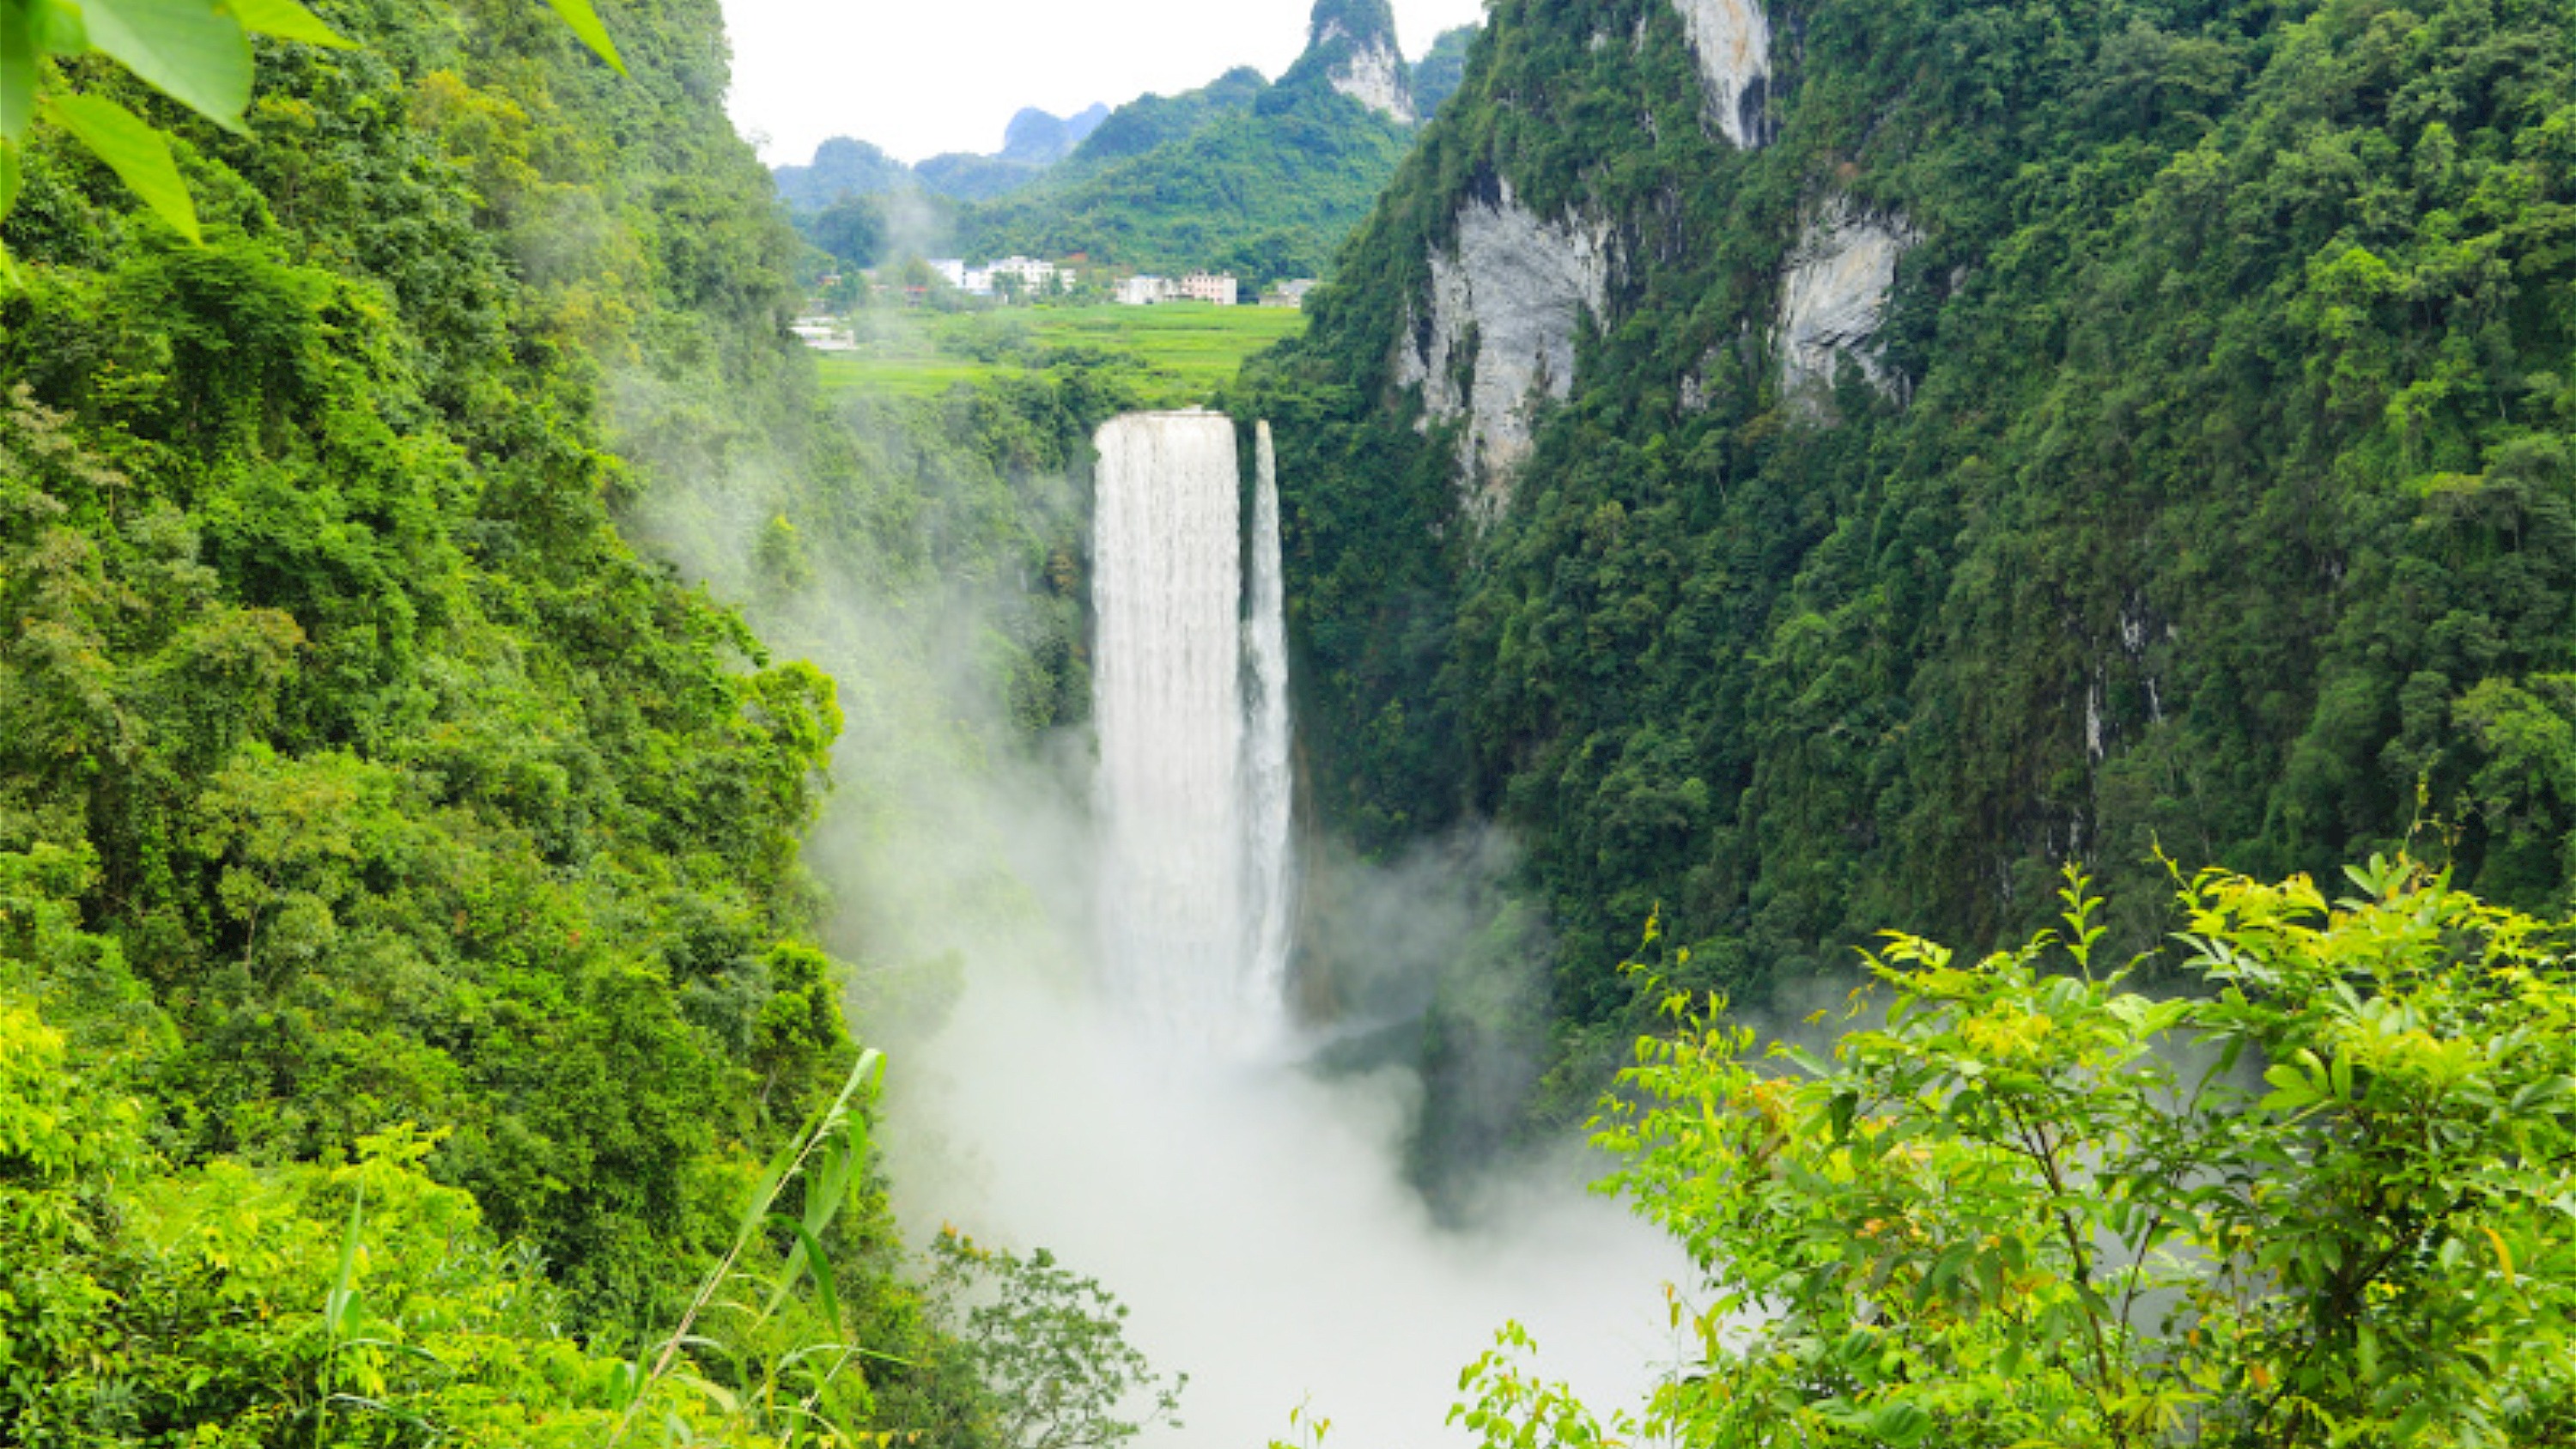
(573, 876)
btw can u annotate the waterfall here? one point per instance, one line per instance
(1266, 779)
(1190, 700)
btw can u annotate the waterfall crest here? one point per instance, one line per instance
(1190, 699)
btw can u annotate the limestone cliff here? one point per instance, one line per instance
(1833, 302)
(1352, 46)
(1812, 465)
(1732, 39)
(1498, 328)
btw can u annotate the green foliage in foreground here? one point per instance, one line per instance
(407, 963)
(359, 784)
(196, 52)
(351, 1303)
(2322, 1199)
(1050, 1348)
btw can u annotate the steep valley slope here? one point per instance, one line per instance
(1810, 466)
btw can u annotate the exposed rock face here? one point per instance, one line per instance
(1834, 299)
(1733, 41)
(1377, 78)
(1505, 308)
(1352, 44)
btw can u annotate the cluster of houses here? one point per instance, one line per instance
(1028, 277)
(1042, 277)
(1034, 278)
(1219, 288)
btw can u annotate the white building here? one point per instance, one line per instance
(974, 281)
(1288, 294)
(1224, 291)
(1034, 276)
(1204, 287)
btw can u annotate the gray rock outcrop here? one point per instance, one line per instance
(1732, 39)
(1377, 77)
(1834, 299)
(1505, 310)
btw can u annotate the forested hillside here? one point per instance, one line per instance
(1261, 180)
(842, 168)
(1825, 466)
(1437, 76)
(406, 964)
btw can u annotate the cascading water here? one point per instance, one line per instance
(1266, 779)
(1191, 702)
(1164, 1132)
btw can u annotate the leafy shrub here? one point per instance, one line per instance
(2318, 1198)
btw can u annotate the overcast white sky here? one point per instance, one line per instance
(919, 77)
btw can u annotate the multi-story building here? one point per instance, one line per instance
(974, 281)
(1206, 287)
(1223, 290)
(1034, 276)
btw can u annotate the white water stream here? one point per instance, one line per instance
(1267, 779)
(1158, 1130)
(1190, 694)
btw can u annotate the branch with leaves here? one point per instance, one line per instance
(2316, 1195)
(196, 52)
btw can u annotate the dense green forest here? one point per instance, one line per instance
(2203, 480)
(407, 958)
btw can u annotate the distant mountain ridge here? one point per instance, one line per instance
(1034, 141)
(841, 167)
(1038, 137)
(1437, 76)
(847, 167)
(1263, 180)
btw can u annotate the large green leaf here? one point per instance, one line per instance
(58, 27)
(139, 155)
(585, 23)
(196, 53)
(17, 68)
(285, 19)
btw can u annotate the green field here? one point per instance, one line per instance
(1180, 353)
